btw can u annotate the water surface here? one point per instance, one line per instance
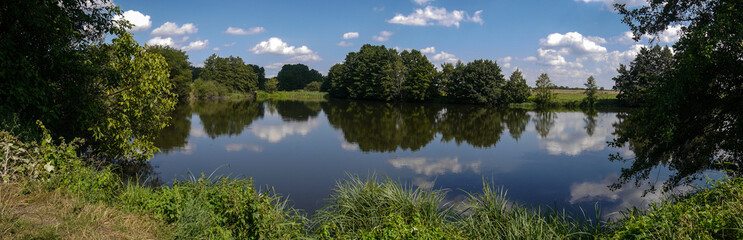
(302, 148)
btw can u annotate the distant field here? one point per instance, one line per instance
(561, 91)
(293, 95)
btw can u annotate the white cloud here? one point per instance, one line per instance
(240, 31)
(216, 49)
(275, 45)
(312, 57)
(444, 57)
(275, 65)
(422, 2)
(161, 42)
(350, 35)
(436, 16)
(530, 58)
(573, 43)
(670, 35)
(172, 29)
(196, 45)
(345, 44)
(625, 38)
(229, 44)
(383, 36)
(428, 50)
(139, 21)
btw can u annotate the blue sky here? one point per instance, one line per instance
(567, 39)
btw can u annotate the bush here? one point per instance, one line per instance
(209, 89)
(313, 86)
(272, 85)
(34, 161)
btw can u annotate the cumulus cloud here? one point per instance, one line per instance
(312, 57)
(240, 31)
(139, 21)
(444, 57)
(196, 45)
(573, 43)
(383, 36)
(436, 16)
(345, 44)
(670, 35)
(422, 2)
(350, 35)
(275, 45)
(172, 29)
(428, 50)
(161, 42)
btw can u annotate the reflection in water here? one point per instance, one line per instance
(275, 133)
(544, 121)
(478, 126)
(430, 167)
(227, 117)
(566, 135)
(175, 135)
(295, 110)
(236, 147)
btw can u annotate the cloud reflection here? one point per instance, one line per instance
(276, 133)
(236, 147)
(568, 136)
(430, 167)
(197, 132)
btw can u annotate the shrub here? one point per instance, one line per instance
(313, 86)
(34, 161)
(209, 89)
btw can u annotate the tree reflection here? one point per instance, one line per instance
(296, 110)
(227, 117)
(516, 121)
(176, 134)
(478, 126)
(544, 120)
(688, 154)
(590, 121)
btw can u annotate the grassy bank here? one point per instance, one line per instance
(574, 98)
(51, 193)
(292, 95)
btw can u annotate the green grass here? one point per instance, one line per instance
(572, 98)
(292, 95)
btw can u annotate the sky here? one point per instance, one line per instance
(569, 40)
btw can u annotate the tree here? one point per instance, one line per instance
(591, 91)
(543, 90)
(480, 82)
(445, 78)
(272, 85)
(419, 78)
(296, 76)
(231, 72)
(115, 95)
(179, 68)
(261, 72)
(313, 86)
(338, 81)
(645, 73)
(692, 120)
(516, 88)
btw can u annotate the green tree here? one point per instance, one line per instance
(591, 91)
(179, 67)
(272, 85)
(231, 72)
(337, 81)
(296, 76)
(516, 88)
(543, 90)
(645, 73)
(56, 67)
(261, 73)
(374, 72)
(445, 78)
(692, 121)
(419, 78)
(481, 81)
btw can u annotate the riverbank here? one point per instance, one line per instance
(292, 95)
(67, 199)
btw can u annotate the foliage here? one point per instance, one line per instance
(115, 95)
(713, 213)
(296, 76)
(479, 81)
(208, 89)
(261, 73)
(231, 72)
(272, 85)
(516, 88)
(644, 75)
(313, 86)
(543, 90)
(692, 120)
(337, 81)
(179, 67)
(358, 207)
(375, 72)
(591, 91)
(419, 76)
(34, 161)
(224, 208)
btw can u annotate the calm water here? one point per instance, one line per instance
(302, 148)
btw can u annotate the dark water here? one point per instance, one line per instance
(302, 148)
